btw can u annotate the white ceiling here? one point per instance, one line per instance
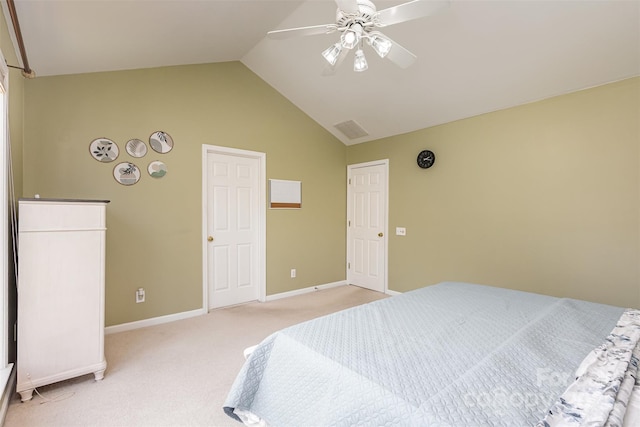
(473, 58)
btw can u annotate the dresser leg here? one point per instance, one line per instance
(26, 395)
(99, 374)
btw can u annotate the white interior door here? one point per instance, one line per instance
(234, 228)
(367, 225)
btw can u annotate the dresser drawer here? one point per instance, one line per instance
(61, 216)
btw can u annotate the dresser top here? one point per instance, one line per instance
(42, 199)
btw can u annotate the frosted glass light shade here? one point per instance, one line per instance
(381, 45)
(332, 53)
(360, 62)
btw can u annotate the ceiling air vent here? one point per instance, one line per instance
(351, 129)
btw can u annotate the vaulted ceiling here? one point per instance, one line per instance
(474, 57)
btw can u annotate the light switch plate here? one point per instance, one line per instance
(401, 231)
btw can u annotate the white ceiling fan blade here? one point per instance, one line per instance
(302, 31)
(408, 11)
(400, 56)
(330, 70)
(348, 6)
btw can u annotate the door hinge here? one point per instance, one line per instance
(349, 266)
(349, 223)
(349, 181)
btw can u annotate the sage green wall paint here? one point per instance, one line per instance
(16, 96)
(543, 197)
(154, 237)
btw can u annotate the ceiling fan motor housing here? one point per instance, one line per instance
(364, 16)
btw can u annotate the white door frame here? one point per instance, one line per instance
(385, 163)
(262, 214)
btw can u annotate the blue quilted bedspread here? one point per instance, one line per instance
(452, 354)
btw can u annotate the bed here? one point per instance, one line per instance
(451, 354)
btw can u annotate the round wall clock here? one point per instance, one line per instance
(426, 159)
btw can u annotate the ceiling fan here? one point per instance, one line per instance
(358, 21)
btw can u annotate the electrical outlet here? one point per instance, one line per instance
(140, 295)
(293, 273)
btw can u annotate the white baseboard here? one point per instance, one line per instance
(187, 314)
(393, 293)
(305, 290)
(153, 321)
(8, 378)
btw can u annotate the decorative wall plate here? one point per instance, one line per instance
(136, 148)
(161, 142)
(157, 169)
(104, 150)
(126, 173)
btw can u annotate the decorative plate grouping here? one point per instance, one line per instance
(105, 150)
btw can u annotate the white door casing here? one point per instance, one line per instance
(367, 224)
(234, 203)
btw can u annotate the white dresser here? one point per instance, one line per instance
(61, 270)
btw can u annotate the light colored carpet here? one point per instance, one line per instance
(176, 374)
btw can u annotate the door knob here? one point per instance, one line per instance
(210, 238)
(380, 234)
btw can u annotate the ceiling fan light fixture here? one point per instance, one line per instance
(351, 36)
(381, 45)
(360, 62)
(332, 53)
(356, 21)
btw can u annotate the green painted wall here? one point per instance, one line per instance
(154, 227)
(544, 197)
